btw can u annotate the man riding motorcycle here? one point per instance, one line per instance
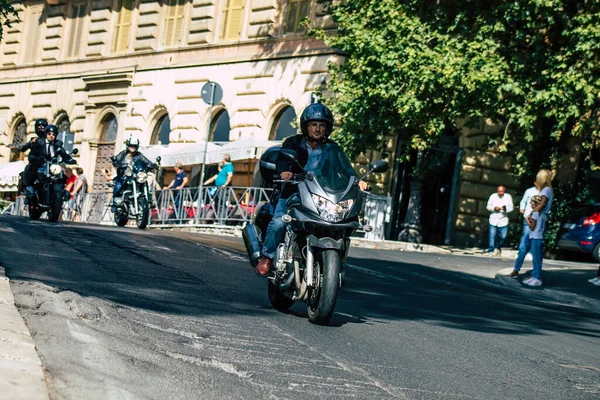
(127, 157)
(316, 124)
(40, 130)
(45, 148)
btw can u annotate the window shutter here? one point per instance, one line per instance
(174, 22)
(123, 26)
(33, 38)
(233, 15)
(76, 34)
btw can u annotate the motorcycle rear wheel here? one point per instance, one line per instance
(142, 218)
(120, 219)
(276, 298)
(323, 296)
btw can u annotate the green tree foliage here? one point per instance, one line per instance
(416, 67)
(7, 15)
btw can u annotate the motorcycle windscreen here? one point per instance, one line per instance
(331, 168)
(139, 165)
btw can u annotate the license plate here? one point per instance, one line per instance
(569, 226)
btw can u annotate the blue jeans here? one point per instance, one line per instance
(524, 245)
(537, 254)
(496, 237)
(118, 185)
(274, 230)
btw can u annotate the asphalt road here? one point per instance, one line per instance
(119, 313)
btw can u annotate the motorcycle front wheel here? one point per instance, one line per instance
(322, 297)
(56, 202)
(142, 218)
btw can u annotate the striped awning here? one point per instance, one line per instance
(9, 175)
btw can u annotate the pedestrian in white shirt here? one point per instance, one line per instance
(499, 205)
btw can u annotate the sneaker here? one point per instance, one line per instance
(597, 283)
(526, 281)
(534, 282)
(594, 280)
(513, 274)
(497, 252)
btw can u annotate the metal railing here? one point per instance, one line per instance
(219, 206)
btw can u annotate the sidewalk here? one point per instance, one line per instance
(20, 365)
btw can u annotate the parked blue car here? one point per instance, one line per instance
(580, 230)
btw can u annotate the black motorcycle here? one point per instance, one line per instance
(135, 197)
(49, 190)
(320, 218)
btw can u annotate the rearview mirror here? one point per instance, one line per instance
(288, 155)
(158, 159)
(379, 166)
(75, 151)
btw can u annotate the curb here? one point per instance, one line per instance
(20, 364)
(557, 295)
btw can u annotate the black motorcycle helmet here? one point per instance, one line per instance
(316, 112)
(51, 128)
(40, 127)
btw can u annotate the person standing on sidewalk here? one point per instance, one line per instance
(499, 204)
(525, 209)
(537, 224)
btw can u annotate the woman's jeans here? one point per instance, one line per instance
(524, 246)
(275, 230)
(496, 237)
(537, 254)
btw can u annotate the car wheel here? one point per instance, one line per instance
(596, 252)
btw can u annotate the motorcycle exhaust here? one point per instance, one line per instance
(250, 236)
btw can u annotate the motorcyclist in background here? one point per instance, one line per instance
(127, 157)
(28, 176)
(45, 149)
(316, 124)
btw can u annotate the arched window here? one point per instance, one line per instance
(283, 125)
(64, 125)
(19, 139)
(162, 131)
(219, 130)
(108, 129)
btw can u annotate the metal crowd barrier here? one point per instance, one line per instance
(7, 207)
(220, 206)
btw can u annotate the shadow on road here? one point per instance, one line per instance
(179, 273)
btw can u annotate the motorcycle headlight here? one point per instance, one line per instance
(128, 171)
(330, 211)
(141, 177)
(55, 169)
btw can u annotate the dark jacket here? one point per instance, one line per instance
(33, 155)
(298, 144)
(120, 161)
(41, 155)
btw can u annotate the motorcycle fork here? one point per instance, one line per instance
(135, 199)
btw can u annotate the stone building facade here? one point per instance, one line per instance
(109, 69)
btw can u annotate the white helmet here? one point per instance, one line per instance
(133, 142)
